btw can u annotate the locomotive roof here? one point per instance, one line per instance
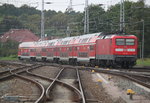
(113, 35)
(87, 38)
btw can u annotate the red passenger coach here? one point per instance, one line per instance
(91, 49)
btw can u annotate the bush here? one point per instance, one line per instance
(13, 56)
(9, 48)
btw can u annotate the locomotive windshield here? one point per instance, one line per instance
(125, 41)
(120, 42)
(130, 41)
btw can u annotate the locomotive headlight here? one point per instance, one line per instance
(131, 50)
(118, 49)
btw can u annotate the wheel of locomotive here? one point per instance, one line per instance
(102, 63)
(58, 61)
(75, 62)
(55, 60)
(108, 63)
(113, 64)
(125, 65)
(33, 59)
(44, 59)
(92, 62)
(20, 58)
(71, 62)
(98, 63)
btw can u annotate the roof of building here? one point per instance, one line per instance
(19, 35)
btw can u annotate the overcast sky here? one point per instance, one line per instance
(61, 5)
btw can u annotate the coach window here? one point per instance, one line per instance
(43, 49)
(75, 48)
(120, 42)
(70, 48)
(91, 47)
(130, 41)
(31, 50)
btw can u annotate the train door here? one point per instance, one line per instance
(57, 51)
(71, 49)
(74, 52)
(110, 46)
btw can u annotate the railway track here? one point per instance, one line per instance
(137, 69)
(45, 92)
(9, 73)
(142, 79)
(16, 63)
(39, 85)
(17, 73)
(55, 84)
(48, 91)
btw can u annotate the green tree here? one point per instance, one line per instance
(10, 22)
(8, 48)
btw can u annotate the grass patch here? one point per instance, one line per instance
(146, 62)
(12, 57)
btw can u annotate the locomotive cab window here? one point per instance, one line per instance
(130, 41)
(120, 42)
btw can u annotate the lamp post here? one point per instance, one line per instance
(86, 18)
(122, 17)
(143, 41)
(42, 19)
(140, 50)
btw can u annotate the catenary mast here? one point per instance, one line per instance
(86, 18)
(122, 17)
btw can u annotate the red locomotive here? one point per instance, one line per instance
(93, 49)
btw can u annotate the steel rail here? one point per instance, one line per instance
(31, 67)
(52, 84)
(80, 86)
(40, 99)
(141, 68)
(6, 71)
(14, 71)
(132, 73)
(10, 63)
(58, 81)
(138, 81)
(123, 74)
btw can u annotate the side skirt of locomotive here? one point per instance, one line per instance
(123, 61)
